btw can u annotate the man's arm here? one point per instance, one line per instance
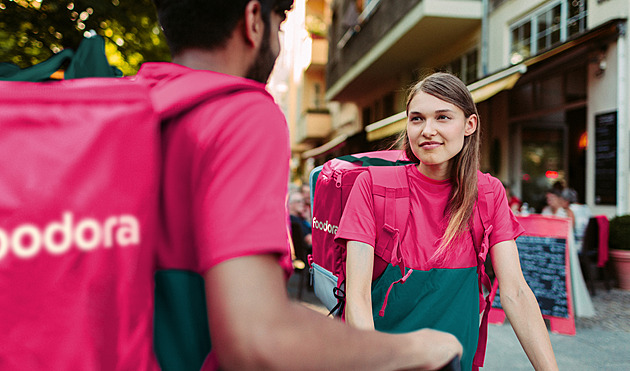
(521, 307)
(254, 325)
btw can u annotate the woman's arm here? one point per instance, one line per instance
(521, 307)
(359, 266)
(255, 326)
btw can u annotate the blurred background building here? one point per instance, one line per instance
(550, 78)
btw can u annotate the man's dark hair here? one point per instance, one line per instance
(207, 24)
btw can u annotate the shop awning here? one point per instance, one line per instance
(505, 80)
(388, 126)
(325, 148)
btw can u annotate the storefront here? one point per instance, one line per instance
(562, 118)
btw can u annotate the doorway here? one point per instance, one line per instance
(543, 157)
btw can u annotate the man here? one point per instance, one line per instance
(226, 166)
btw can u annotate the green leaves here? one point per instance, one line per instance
(32, 31)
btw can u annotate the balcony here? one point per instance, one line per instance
(313, 126)
(398, 37)
(319, 53)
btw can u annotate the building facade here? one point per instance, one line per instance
(550, 78)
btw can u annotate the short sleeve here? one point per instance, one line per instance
(240, 182)
(357, 222)
(505, 225)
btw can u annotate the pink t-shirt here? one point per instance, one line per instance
(428, 199)
(226, 169)
(225, 177)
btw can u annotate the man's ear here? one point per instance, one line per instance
(471, 124)
(254, 26)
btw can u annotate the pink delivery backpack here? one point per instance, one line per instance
(80, 225)
(331, 184)
(79, 182)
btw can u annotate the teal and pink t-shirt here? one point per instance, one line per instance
(225, 178)
(443, 295)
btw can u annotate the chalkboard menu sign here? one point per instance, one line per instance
(544, 266)
(606, 158)
(543, 251)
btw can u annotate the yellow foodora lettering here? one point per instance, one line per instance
(28, 240)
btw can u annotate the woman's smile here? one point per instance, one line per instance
(436, 131)
(429, 145)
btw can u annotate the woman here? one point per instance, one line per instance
(442, 139)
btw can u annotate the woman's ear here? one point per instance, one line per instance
(471, 124)
(254, 26)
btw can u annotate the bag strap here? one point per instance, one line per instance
(481, 229)
(89, 60)
(37, 73)
(173, 96)
(373, 161)
(391, 183)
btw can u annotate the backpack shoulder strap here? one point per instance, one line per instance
(173, 96)
(485, 199)
(482, 227)
(391, 183)
(484, 213)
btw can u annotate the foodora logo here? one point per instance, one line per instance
(28, 240)
(325, 226)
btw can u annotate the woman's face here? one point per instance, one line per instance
(436, 131)
(553, 200)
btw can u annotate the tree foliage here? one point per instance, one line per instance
(31, 31)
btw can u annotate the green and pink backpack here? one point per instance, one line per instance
(331, 185)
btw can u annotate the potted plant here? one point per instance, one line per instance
(619, 244)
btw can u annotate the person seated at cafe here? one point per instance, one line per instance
(306, 194)
(556, 206)
(514, 202)
(581, 214)
(296, 212)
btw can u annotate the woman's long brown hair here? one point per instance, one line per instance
(464, 165)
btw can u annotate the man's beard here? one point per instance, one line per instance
(263, 65)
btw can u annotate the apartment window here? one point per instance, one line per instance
(471, 67)
(546, 28)
(465, 67)
(388, 105)
(576, 23)
(455, 68)
(367, 116)
(317, 101)
(521, 42)
(379, 109)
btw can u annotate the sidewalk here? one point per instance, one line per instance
(601, 343)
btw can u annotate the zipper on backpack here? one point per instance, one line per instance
(337, 178)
